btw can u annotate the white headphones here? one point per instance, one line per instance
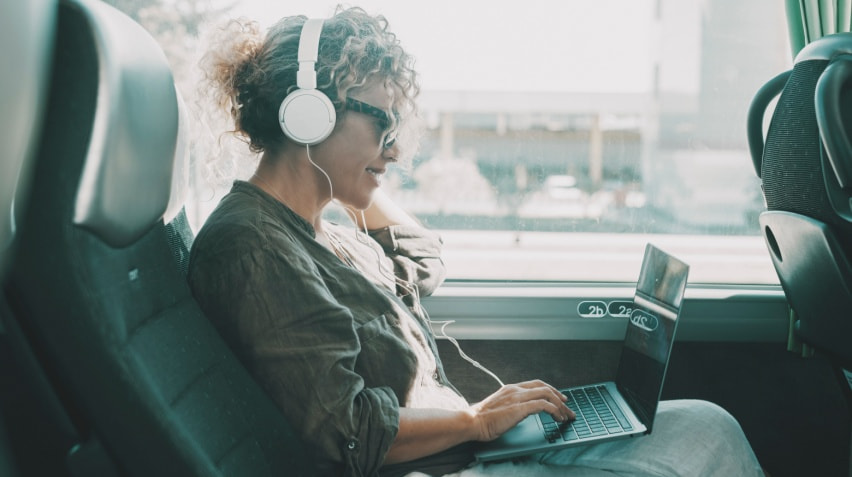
(306, 115)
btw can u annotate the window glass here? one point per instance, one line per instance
(561, 135)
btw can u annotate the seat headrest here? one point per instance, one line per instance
(180, 172)
(27, 30)
(127, 176)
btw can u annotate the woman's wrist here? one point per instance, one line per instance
(474, 425)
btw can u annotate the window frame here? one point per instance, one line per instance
(549, 311)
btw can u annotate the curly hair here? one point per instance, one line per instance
(250, 74)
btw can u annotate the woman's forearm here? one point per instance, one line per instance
(382, 213)
(425, 432)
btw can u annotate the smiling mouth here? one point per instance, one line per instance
(377, 173)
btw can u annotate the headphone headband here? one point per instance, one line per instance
(306, 115)
(306, 78)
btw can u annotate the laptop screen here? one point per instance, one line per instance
(650, 331)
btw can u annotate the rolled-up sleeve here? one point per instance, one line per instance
(302, 345)
(416, 254)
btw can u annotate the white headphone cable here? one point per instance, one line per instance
(405, 286)
(411, 289)
(327, 178)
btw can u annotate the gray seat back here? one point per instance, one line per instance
(95, 285)
(26, 30)
(806, 169)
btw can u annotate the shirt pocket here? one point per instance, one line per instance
(375, 327)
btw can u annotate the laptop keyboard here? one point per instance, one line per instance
(597, 415)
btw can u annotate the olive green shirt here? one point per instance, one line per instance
(335, 342)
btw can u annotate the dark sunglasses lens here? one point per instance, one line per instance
(390, 140)
(381, 117)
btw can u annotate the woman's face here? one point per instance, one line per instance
(354, 156)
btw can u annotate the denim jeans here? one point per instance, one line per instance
(689, 438)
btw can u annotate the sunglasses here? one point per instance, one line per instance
(383, 121)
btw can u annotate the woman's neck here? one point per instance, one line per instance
(292, 181)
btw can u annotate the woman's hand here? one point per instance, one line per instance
(424, 432)
(505, 408)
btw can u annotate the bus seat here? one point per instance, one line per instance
(96, 289)
(806, 169)
(26, 28)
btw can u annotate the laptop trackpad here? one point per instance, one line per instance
(525, 433)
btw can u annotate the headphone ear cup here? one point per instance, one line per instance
(307, 116)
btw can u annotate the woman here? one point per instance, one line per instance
(328, 318)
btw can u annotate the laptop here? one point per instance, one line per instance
(625, 407)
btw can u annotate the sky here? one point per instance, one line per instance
(526, 45)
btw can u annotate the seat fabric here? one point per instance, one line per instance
(116, 326)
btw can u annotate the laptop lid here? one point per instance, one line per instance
(651, 331)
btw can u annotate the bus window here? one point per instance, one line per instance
(559, 135)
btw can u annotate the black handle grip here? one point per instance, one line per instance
(754, 125)
(830, 120)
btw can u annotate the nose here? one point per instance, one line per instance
(391, 152)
